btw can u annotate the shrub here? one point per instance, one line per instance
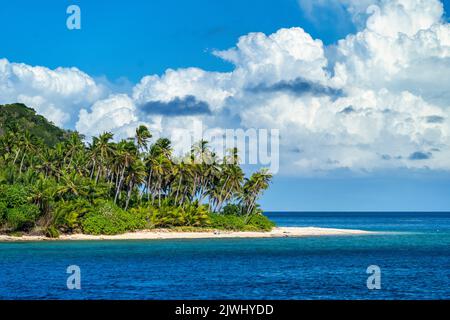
(232, 209)
(107, 218)
(52, 232)
(15, 211)
(67, 214)
(13, 196)
(237, 223)
(261, 223)
(22, 217)
(226, 222)
(195, 215)
(2, 212)
(167, 215)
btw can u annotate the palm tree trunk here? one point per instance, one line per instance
(159, 192)
(21, 162)
(130, 188)
(219, 203)
(178, 189)
(224, 185)
(148, 184)
(17, 155)
(98, 174)
(185, 192)
(228, 194)
(195, 188)
(120, 184)
(117, 180)
(93, 169)
(249, 210)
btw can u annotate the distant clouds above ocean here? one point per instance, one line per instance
(377, 99)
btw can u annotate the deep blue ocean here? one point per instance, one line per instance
(414, 259)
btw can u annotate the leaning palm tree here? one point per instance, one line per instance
(231, 184)
(252, 190)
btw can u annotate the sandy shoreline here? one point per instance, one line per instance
(282, 232)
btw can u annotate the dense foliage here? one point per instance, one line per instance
(51, 181)
(15, 117)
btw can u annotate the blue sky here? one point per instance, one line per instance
(124, 41)
(381, 193)
(134, 38)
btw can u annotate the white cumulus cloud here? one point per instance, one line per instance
(377, 99)
(57, 94)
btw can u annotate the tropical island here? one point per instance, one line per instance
(54, 185)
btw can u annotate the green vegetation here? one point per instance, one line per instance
(51, 182)
(107, 218)
(239, 223)
(15, 117)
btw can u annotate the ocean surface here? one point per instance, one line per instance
(414, 260)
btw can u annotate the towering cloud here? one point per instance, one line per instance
(376, 99)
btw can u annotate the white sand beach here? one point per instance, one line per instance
(282, 232)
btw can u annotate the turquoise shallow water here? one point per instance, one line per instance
(414, 262)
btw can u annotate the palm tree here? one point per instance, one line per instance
(141, 138)
(42, 193)
(27, 144)
(104, 149)
(161, 169)
(46, 162)
(136, 176)
(73, 146)
(201, 152)
(72, 185)
(203, 167)
(232, 186)
(161, 147)
(126, 154)
(253, 188)
(179, 171)
(164, 146)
